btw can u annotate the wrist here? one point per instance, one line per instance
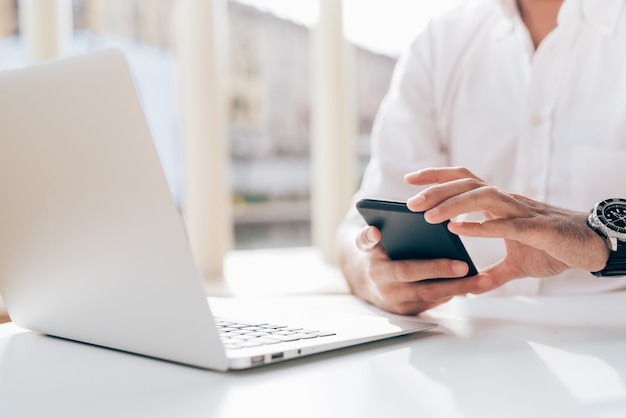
(600, 252)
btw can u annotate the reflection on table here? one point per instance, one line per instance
(489, 357)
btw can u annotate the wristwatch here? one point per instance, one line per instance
(608, 219)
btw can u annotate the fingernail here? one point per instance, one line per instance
(484, 282)
(370, 235)
(459, 268)
(416, 200)
(409, 175)
(431, 215)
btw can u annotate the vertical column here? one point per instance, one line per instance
(334, 128)
(202, 52)
(45, 27)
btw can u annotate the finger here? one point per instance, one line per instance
(496, 228)
(498, 274)
(439, 175)
(481, 199)
(368, 238)
(436, 195)
(414, 308)
(525, 230)
(408, 271)
(436, 291)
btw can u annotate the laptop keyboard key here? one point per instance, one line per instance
(239, 335)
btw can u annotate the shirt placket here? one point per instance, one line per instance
(534, 146)
(535, 136)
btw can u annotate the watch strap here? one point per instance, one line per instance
(616, 266)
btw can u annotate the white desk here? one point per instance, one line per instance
(539, 357)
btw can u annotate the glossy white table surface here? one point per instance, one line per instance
(500, 357)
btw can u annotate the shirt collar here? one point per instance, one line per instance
(510, 7)
(602, 15)
(509, 13)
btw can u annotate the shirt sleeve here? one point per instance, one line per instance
(405, 137)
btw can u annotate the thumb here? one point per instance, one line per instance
(368, 238)
(499, 274)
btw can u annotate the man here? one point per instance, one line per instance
(530, 95)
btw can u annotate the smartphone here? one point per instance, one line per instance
(406, 234)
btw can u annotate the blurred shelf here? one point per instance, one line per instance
(272, 211)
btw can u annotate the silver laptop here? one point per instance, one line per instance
(92, 246)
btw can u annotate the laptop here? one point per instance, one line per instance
(92, 246)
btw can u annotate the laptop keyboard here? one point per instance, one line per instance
(236, 335)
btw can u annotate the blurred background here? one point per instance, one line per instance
(270, 61)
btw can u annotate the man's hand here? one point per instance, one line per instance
(401, 286)
(541, 240)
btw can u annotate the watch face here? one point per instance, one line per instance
(612, 213)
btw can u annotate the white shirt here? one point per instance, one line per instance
(548, 123)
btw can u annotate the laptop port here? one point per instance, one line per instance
(277, 356)
(257, 359)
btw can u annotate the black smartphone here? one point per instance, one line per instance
(406, 234)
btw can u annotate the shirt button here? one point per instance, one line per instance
(535, 120)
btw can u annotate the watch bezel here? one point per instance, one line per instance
(598, 219)
(614, 239)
